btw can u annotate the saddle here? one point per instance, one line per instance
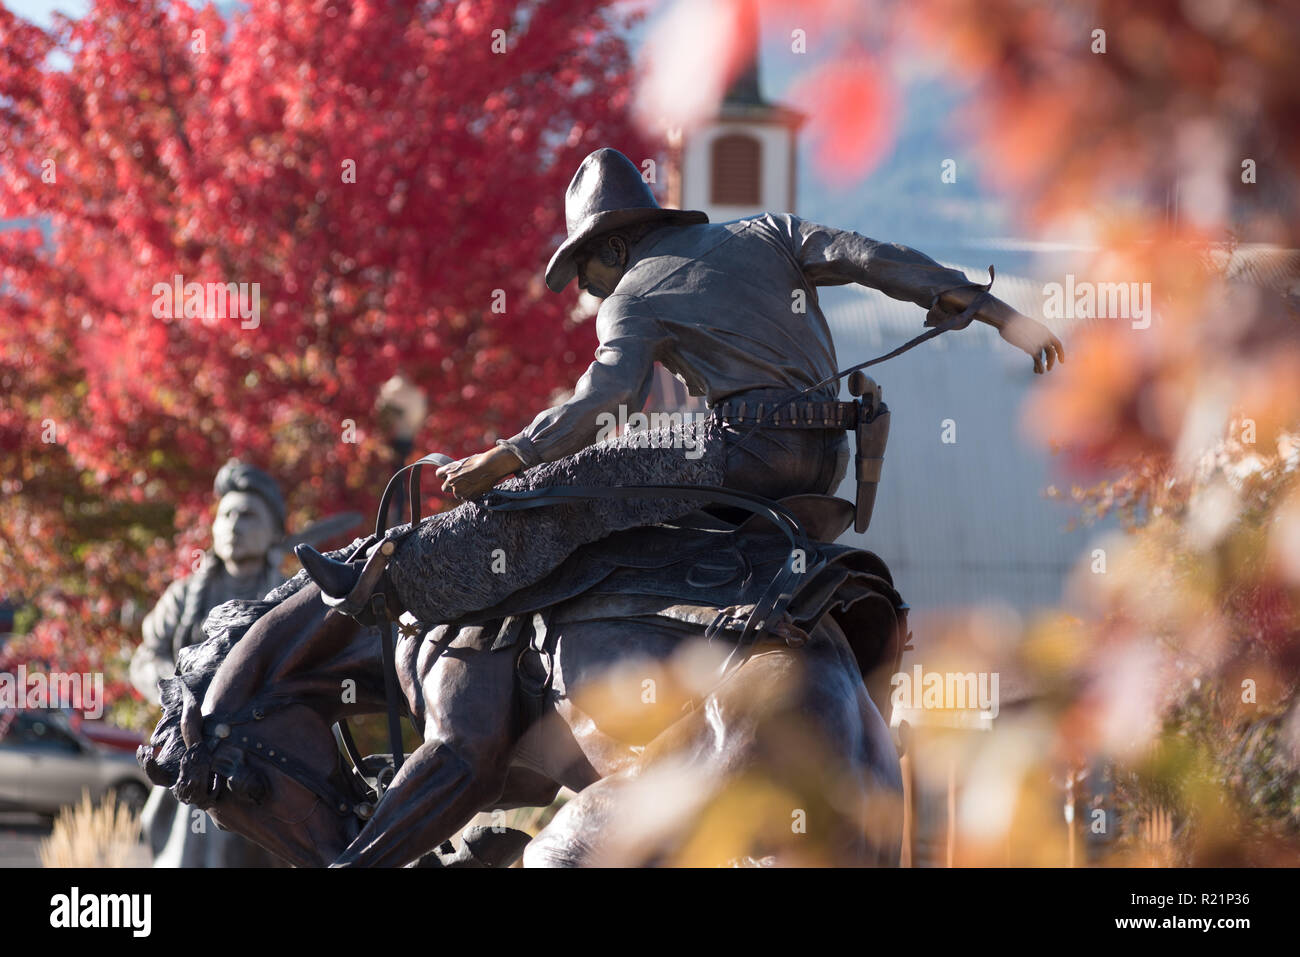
(700, 565)
(705, 571)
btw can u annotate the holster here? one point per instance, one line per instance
(873, 434)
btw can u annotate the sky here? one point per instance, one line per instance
(38, 11)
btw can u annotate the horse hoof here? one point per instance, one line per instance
(335, 579)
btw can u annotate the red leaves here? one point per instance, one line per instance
(344, 164)
(853, 117)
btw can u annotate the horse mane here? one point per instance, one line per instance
(196, 666)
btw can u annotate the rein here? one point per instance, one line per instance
(378, 609)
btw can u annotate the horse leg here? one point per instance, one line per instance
(788, 756)
(572, 838)
(470, 733)
(792, 741)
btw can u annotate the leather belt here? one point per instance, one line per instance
(801, 414)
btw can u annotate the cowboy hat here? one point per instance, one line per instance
(606, 193)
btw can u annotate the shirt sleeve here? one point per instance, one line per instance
(630, 340)
(833, 257)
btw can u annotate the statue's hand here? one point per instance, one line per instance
(1024, 333)
(475, 475)
(1032, 337)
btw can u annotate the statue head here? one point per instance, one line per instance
(602, 261)
(606, 194)
(250, 515)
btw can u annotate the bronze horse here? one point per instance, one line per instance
(614, 694)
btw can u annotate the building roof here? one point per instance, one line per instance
(744, 97)
(744, 89)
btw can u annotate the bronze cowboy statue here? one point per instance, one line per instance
(713, 534)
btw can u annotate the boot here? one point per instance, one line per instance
(350, 586)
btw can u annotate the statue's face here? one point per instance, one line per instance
(600, 279)
(244, 527)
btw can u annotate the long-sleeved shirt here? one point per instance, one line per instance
(727, 308)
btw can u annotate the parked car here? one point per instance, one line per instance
(104, 734)
(46, 765)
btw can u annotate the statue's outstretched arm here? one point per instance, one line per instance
(830, 257)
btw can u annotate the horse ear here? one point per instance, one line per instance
(191, 717)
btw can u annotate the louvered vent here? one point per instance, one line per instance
(737, 163)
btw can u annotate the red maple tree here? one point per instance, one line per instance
(391, 178)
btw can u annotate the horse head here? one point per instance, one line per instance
(245, 732)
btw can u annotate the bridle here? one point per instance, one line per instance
(231, 747)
